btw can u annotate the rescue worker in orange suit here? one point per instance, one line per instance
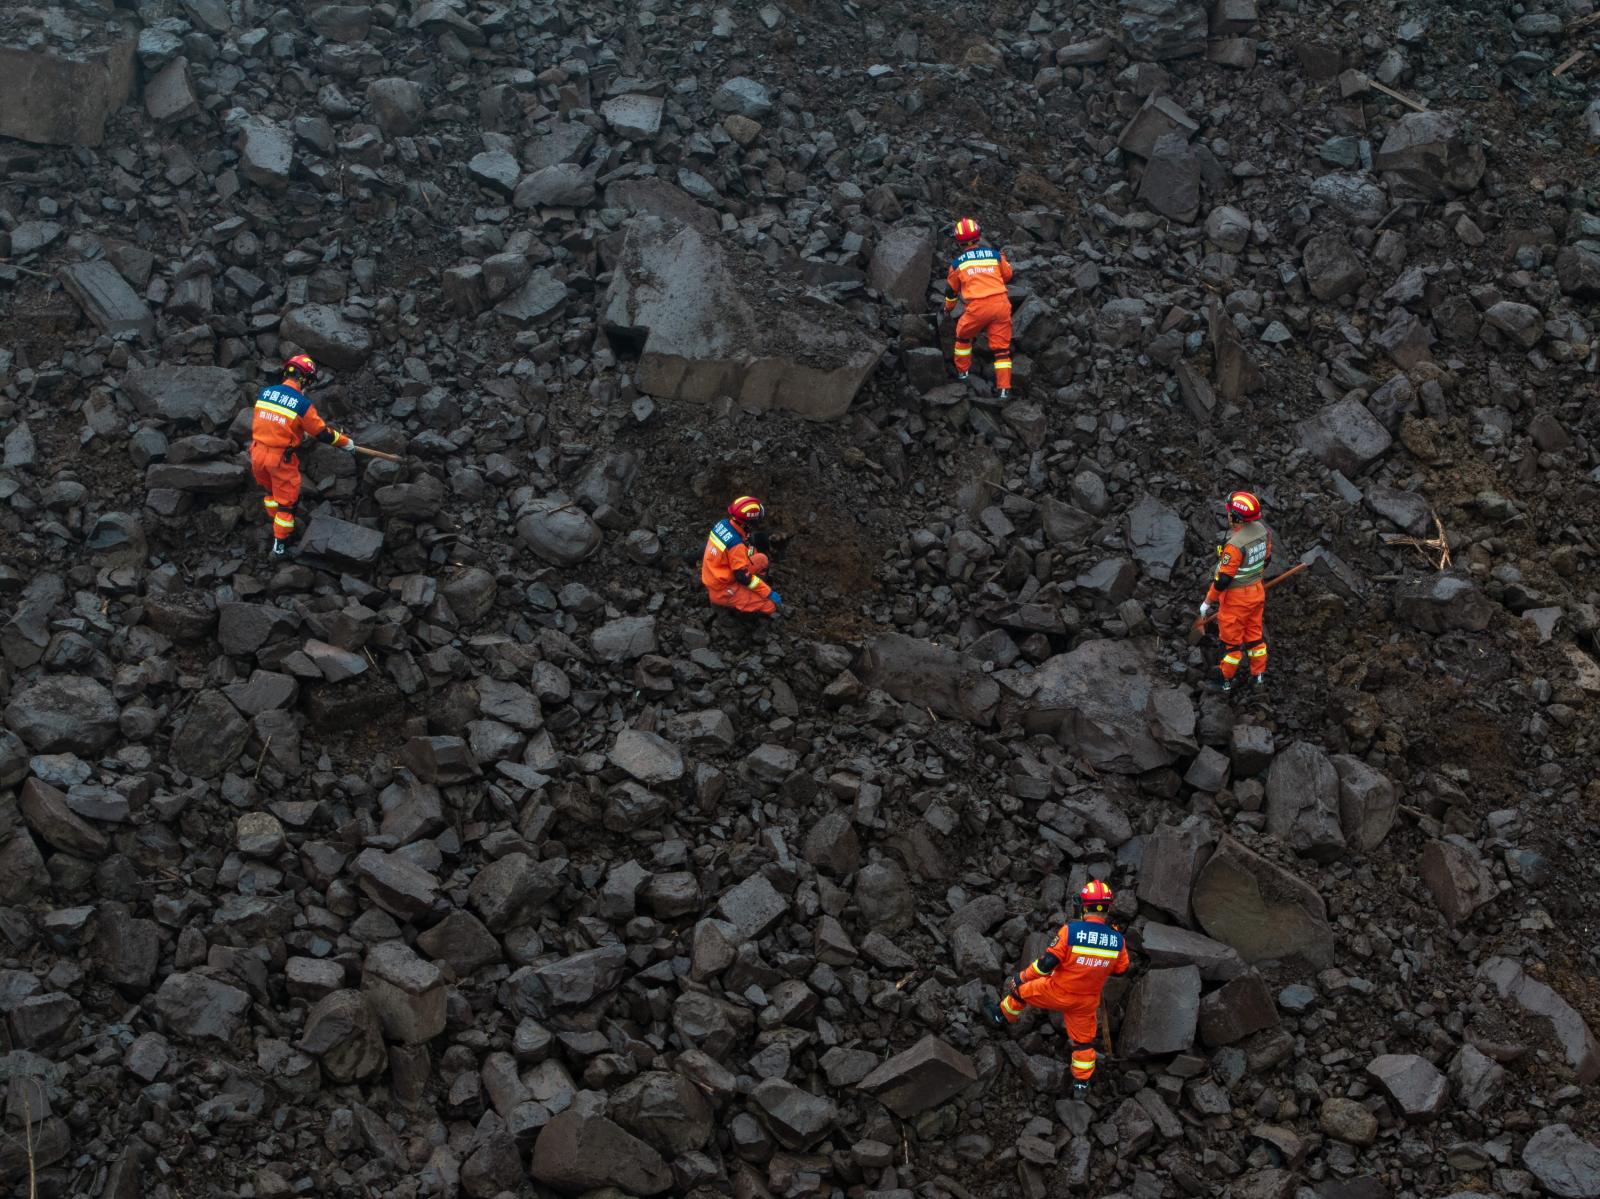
(733, 561)
(979, 276)
(1237, 593)
(284, 418)
(1068, 978)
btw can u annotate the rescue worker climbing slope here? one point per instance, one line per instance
(1068, 978)
(285, 417)
(731, 566)
(979, 276)
(1237, 593)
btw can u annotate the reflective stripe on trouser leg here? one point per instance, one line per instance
(1083, 1059)
(1230, 661)
(1258, 658)
(283, 522)
(1002, 373)
(1012, 1007)
(963, 355)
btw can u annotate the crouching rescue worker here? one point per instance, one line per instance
(733, 561)
(284, 418)
(1068, 978)
(979, 276)
(1238, 595)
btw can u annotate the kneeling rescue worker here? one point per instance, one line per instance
(284, 418)
(1068, 978)
(1237, 594)
(979, 276)
(732, 564)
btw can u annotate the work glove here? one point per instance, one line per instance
(775, 598)
(349, 446)
(1206, 609)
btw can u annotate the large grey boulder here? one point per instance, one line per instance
(921, 672)
(1171, 181)
(902, 263)
(1262, 910)
(1439, 603)
(64, 713)
(1564, 1163)
(704, 321)
(919, 1078)
(1303, 807)
(266, 153)
(1457, 877)
(665, 1110)
(1429, 154)
(1368, 802)
(1332, 266)
(57, 98)
(1345, 436)
(580, 1151)
(107, 300)
(558, 530)
(1161, 1013)
(1417, 1087)
(1163, 29)
(328, 335)
(205, 395)
(797, 1117)
(1153, 533)
(1105, 701)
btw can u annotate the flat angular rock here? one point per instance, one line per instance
(197, 1007)
(1236, 1010)
(397, 106)
(170, 94)
(341, 542)
(1417, 1087)
(342, 1032)
(205, 395)
(1154, 535)
(744, 96)
(266, 153)
(560, 185)
(797, 1118)
(924, 1076)
(1260, 909)
(1431, 155)
(1162, 1011)
(581, 978)
(1171, 181)
(1303, 803)
(1573, 1034)
(1353, 196)
(579, 1151)
(495, 169)
(1368, 802)
(665, 1110)
(1457, 877)
(902, 264)
(1158, 116)
(1564, 1163)
(646, 758)
(1165, 945)
(689, 308)
(637, 118)
(1578, 272)
(510, 892)
(1332, 266)
(64, 714)
(1345, 437)
(107, 300)
(406, 993)
(753, 906)
(200, 478)
(330, 337)
(1172, 856)
(1106, 702)
(624, 639)
(51, 98)
(210, 738)
(1522, 324)
(1439, 603)
(912, 669)
(541, 298)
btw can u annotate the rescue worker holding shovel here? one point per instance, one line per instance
(284, 418)
(733, 560)
(1068, 978)
(1237, 593)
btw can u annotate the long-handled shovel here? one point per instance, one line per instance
(1199, 626)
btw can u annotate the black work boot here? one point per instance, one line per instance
(1003, 394)
(993, 1014)
(1258, 682)
(1222, 685)
(1080, 1088)
(280, 549)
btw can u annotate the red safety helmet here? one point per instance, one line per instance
(1243, 506)
(301, 365)
(1096, 895)
(746, 509)
(967, 231)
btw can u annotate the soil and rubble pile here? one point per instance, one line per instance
(468, 854)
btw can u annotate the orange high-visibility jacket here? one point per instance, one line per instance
(285, 417)
(1241, 563)
(1085, 954)
(728, 561)
(975, 275)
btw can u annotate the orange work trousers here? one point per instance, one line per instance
(991, 314)
(281, 479)
(741, 598)
(1077, 1017)
(1240, 611)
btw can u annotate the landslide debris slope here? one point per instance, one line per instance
(468, 855)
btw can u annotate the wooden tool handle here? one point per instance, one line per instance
(361, 449)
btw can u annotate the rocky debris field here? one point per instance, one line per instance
(468, 854)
